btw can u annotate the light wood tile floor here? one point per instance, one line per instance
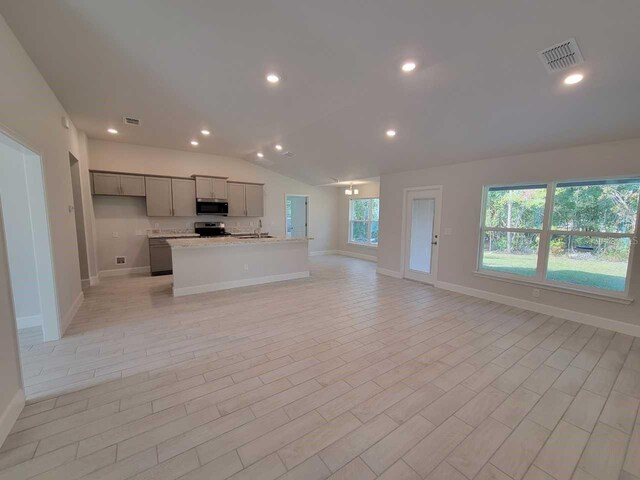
(346, 374)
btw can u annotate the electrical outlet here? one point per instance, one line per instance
(156, 226)
(115, 234)
(246, 267)
(536, 293)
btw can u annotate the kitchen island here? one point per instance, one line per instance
(221, 263)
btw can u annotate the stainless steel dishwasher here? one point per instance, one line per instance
(160, 256)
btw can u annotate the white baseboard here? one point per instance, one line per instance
(93, 281)
(361, 256)
(68, 317)
(10, 415)
(323, 252)
(215, 287)
(29, 322)
(585, 318)
(388, 273)
(123, 271)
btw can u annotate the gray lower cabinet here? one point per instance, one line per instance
(245, 199)
(160, 256)
(183, 194)
(118, 184)
(159, 201)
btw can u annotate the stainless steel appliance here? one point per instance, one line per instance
(160, 256)
(206, 206)
(210, 229)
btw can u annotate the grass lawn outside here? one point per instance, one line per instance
(591, 273)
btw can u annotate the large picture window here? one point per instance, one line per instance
(574, 234)
(364, 215)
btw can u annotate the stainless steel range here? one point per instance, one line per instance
(210, 229)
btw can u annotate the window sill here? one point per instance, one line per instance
(368, 245)
(607, 297)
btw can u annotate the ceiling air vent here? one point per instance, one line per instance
(561, 56)
(131, 121)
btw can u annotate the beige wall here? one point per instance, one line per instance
(367, 190)
(462, 192)
(127, 216)
(31, 113)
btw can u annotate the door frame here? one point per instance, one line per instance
(51, 317)
(308, 210)
(437, 189)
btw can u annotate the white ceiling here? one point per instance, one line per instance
(479, 91)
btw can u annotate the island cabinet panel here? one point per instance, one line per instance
(236, 199)
(254, 200)
(159, 201)
(183, 193)
(132, 185)
(106, 184)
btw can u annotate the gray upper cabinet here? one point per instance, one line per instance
(235, 197)
(159, 199)
(245, 199)
(106, 184)
(117, 184)
(132, 185)
(254, 200)
(220, 188)
(183, 193)
(211, 187)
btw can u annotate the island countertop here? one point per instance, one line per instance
(229, 241)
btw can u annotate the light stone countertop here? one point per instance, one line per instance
(228, 241)
(172, 235)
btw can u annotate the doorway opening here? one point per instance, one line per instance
(28, 243)
(297, 216)
(421, 233)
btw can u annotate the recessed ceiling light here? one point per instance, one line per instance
(408, 66)
(573, 79)
(260, 155)
(279, 147)
(205, 132)
(112, 131)
(194, 143)
(273, 78)
(391, 133)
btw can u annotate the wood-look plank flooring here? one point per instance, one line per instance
(345, 375)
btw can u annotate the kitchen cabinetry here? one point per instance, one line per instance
(211, 187)
(118, 184)
(183, 196)
(245, 199)
(159, 201)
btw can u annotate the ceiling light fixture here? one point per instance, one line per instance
(260, 155)
(573, 79)
(391, 133)
(273, 78)
(112, 131)
(206, 133)
(279, 147)
(194, 143)
(350, 190)
(408, 67)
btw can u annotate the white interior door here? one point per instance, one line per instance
(297, 213)
(422, 234)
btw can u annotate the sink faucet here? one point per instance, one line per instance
(258, 231)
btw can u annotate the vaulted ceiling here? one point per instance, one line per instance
(479, 90)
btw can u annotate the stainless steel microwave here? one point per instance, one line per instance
(211, 207)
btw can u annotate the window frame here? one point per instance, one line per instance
(546, 233)
(368, 222)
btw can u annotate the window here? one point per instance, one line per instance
(574, 234)
(364, 214)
